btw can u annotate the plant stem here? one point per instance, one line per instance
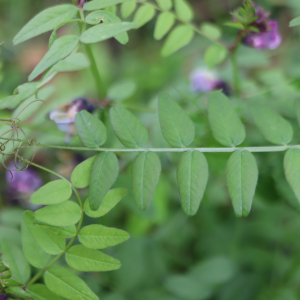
(42, 271)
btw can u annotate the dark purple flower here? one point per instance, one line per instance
(65, 117)
(269, 39)
(22, 182)
(3, 297)
(205, 81)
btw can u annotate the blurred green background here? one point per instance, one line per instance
(214, 255)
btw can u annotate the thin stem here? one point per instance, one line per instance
(42, 271)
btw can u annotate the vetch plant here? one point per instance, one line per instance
(57, 228)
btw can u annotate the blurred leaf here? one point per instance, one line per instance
(295, 22)
(165, 4)
(184, 10)
(211, 30)
(164, 23)
(187, 288)
(100, 237)
(64, 214)
(273, 127)
(192, 177)
(130, 130)
(47, 240)
(89, 260)
(99, 4)
(34, 254)
(127, 8)
(16, 261)
(144, 14)
(241, 177)
(66, 284)
(107, 17)
(91, 131)
(11, 217)
(122, 90)
(41, 292)
(292, 170)
(215, 55)
(176, 126)
(54, 192)
(82, 173)
(65, 231)
(18, 292)
(45, 21)
(111, 199)
(145, 174)
(53, 38)
(179, 37)
(104, 173)
(61, 48)
(235, 25)
(103, 32)
(225, 123)
(74, 62)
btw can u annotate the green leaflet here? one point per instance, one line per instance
(164, 23)
(122, 90)
(100, 237)
(46, 239)
(127, 8)
(179, 37)
(295, 22)
(61, 48)
(184, 10)
(225, 123)
(165, 4)
(176, 126)
(74, 62)
(211, 30)
(41, 292)
(99, 4)
(82, 173)
(103, 32)
(107, 17)
(34, 254)
(192, 177)
(292, 170)
(273, 127)
(129, 129)
(53, 192)
(104, 173)
(63, 231)
(215, 55)
(241, 178)
(18, 292)
(45, 21)
(64, 214)
(145, 174)
(66, 284)
(111, 199)
(91, 130)
(16, 261)
(144, 14)
(89, 260)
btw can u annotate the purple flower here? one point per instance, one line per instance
(65, 117)
(23, 182)
(3, 297)
(269, 39)
(268, 36)
(205, 81)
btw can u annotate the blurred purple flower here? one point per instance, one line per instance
(268, 36)
(65, 117)
(3, 297)
(205, 81)
(22, 182)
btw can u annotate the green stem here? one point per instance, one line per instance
(42, 271)
(95, 71)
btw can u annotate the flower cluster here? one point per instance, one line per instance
(268, 36)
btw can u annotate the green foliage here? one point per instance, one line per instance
(165, 4)
(82, 173)
(241, 177)
(41, 292)
(127, 8)
(164, 23)
(183, 10)
(143, 15)
(215, 55)
(145, 174)
(295, 22)
(192, 177)
(225, 123)
(90, 129)
(99, 4)
(54, 192)
(176, 126)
